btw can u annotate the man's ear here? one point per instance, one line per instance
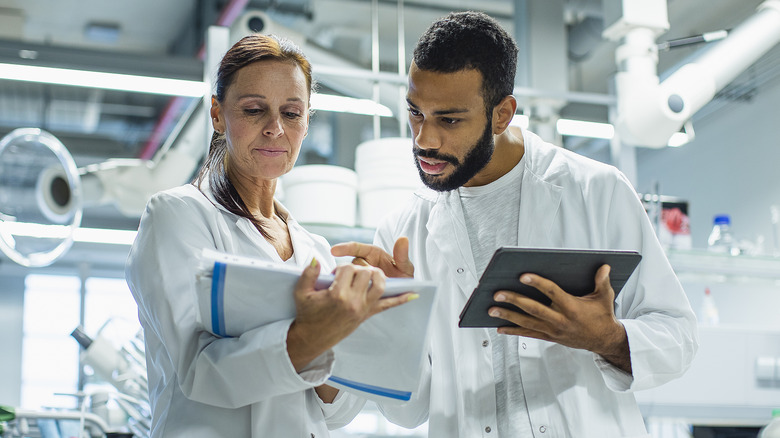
(503, 114)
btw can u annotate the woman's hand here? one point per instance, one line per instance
(325, 317)
(397, 265)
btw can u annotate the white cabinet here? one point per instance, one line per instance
(735, 377)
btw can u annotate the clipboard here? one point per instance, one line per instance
(381, 360)
(573, 270)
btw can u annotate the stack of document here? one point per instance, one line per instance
(380, 360)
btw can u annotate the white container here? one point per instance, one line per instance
(387, 177)
(771, 430)
(321, 194)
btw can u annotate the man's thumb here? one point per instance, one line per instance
(401, 254)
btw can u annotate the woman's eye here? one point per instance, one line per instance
(252, 111)
(291, 115)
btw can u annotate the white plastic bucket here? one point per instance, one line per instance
(387, 177)
(321, 194)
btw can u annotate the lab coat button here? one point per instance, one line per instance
(542, 429)
(524, 346)
(485, 343)
(488, 429)
(460, 270)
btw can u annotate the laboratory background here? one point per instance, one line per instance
(681, 95)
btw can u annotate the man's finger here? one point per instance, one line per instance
(360, 261)
(354, 249)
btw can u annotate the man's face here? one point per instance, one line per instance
(453, 137)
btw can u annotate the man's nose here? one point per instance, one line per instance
(426, 137)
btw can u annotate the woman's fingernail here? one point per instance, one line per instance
(412, 297)
(314, 262)
(525, 279)
(500, 297)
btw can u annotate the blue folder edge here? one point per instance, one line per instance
(384, 392)
(218, 299)
(218, 326)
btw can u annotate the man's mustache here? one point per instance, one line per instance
(430, 153)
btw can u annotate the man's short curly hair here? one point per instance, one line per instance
(471, 40)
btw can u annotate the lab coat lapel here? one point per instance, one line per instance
(254, 236)
(539, 204)
(447, 228)
(302, 243)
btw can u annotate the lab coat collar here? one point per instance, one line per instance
(301, 240)
(540, 201)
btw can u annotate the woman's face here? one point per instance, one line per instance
(265, 116)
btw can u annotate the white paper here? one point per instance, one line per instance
(380, 360)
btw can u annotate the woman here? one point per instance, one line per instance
(269, 381)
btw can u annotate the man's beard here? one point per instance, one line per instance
(476, 160)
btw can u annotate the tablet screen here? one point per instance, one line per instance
(574, 270)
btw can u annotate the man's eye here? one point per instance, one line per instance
(449, 121)
(413, 112)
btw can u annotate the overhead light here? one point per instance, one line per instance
(581, 128)
(88, 235)
(167, 86)
(104, 235)
(343, 104)
(102, 80)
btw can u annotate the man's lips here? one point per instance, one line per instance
(431, 166)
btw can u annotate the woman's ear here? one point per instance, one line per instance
(503, 114)
(217, 121)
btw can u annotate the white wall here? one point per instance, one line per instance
(11, 311)
(732, 167)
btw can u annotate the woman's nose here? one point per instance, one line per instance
(274, 126)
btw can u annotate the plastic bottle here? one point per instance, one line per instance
(709, 311)
(771, 430)
(720, 239)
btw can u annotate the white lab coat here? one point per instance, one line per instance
(204, 386)
(566, 201)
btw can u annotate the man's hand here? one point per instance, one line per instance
(397, 265)
(586, 322)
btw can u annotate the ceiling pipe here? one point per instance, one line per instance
(649, 111)
(175, 105)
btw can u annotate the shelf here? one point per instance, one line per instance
(339, 233)
(701, 264)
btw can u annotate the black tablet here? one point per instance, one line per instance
(574, 270)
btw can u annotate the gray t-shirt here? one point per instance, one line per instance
(492, 213)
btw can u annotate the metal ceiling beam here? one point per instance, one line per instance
(179, 67)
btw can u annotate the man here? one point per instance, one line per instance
(567, 370)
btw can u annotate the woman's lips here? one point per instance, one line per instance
(271, 152)
(431, 166)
